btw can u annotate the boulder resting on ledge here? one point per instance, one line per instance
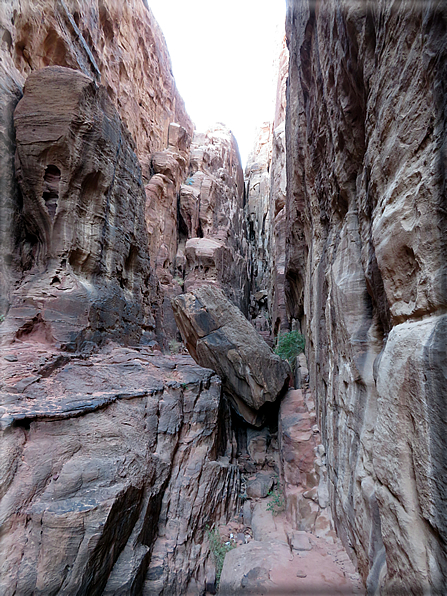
(219, 337)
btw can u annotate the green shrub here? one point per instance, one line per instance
(219, 548)
(174, 346)
(289, 346)
(2, 318)
(277, 502)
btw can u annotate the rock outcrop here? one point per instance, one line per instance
(212, 241)
(121, 47)
(365, 271)
(111, 464)
(219, 337)
(162, 219)
(83, 243)
(265, 176)
(99, 471)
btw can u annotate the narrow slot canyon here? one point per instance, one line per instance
(220, 377)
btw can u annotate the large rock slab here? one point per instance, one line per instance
(110, 468)
(219, 337)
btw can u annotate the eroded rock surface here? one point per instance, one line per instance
(365, 271)
(265, 176)
(219, 337)
(111, 466)
(83, 243)
(212, 242)
(121, 47)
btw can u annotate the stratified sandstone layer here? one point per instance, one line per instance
(120, 46)
(110, 468)
(83, 244)
(212, 242)
(366, 271)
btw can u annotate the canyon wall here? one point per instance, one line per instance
(120, 47)
(366, 271)
(114, 460)
(265, 178)
(212, 231)
(83, 259)
(111, 467)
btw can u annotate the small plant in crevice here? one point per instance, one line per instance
(2, 318)
(277, 502)
(174, 346)
(219, 549)
(289, 346)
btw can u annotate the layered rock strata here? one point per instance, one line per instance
(83, 243)
(365, 269)
(121, 47)
(212, 234)
(110, 468)
(219, 337)
(162, 219)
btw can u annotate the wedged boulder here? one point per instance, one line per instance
(219, 337)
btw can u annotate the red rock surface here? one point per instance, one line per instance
(276, 562)
(212, 247)
(83, 245)
(120, 46)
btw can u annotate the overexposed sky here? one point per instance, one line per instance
(223, 56)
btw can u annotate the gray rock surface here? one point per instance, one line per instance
(219, 337)
(265, 177)
(259, 487)
(110, 467)
(365, 271)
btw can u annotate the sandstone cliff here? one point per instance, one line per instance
(114, 461)
(83, 247)
(265, 177)
(120, 46)
(365, 269)
(212, 242)
(112, 464)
